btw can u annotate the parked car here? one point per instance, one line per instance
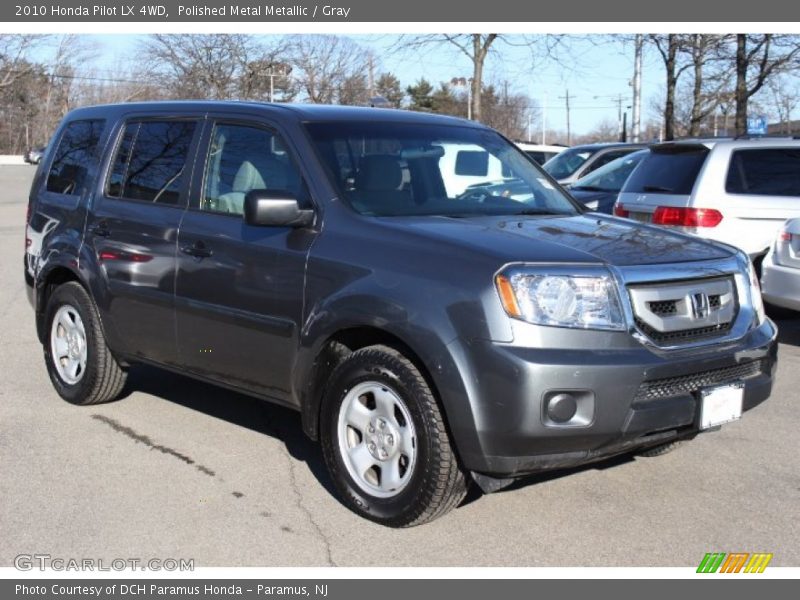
(598, 190)
(313, 256)
(34, 155)
(579, 161)
(735, 191)
(780, 275)
(541, 153)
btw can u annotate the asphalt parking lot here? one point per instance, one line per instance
(178, 469)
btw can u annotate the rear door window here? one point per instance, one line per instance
(150, 161)
(75, 156)
(767, 172)
(671, 171)
(606, 158)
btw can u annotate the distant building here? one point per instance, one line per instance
(784, 128)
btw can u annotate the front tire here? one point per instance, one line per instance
(81, 367)
(385, 442)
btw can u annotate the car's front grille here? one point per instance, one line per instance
(664, 307)
(681, 312)
(685, 335)
(688, 384)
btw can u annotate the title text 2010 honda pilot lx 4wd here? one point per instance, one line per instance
(342, 262)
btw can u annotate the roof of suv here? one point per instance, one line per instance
(302, 112)
(608, 145)
(743, 142)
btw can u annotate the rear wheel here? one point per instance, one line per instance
(81, 367)
(385, 441)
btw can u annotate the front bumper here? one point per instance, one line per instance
(640, 398)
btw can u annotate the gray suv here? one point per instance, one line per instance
(431, 329)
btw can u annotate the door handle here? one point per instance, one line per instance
(101, 229)
(198, 250)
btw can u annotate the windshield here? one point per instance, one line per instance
(397, 169)
(610, 177)
(567, 162)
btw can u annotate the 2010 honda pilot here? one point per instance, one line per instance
(432, 302)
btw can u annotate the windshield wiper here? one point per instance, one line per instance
(591, 188)
(657, 188)
(534, 211)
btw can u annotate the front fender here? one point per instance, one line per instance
(430, 337)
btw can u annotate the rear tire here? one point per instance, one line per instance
(385, 442)
(81, 367)
(660, 450)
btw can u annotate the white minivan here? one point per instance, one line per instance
(735, 191)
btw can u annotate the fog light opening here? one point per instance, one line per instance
(562, 407)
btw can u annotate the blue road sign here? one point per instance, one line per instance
(757, 125)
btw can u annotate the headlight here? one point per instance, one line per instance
(557, 297)
(755, 292)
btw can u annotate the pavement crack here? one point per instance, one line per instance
(303, 508)
(143, 439)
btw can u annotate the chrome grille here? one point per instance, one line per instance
(688, 384)
(679, 312)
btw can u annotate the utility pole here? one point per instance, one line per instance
(371, 76)
(544, 118)
(566, 103)
(637, 87)
(274, 70)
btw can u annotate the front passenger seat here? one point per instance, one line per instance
(257, 174)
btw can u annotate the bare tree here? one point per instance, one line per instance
(14, 56)
(669, 48)
(212, 66)
(324, 64)
(712, 75)
(784, 99)
(759, 57)
(477, 47)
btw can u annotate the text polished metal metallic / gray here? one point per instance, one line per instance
(708, 301)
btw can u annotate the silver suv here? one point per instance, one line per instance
(735, 191)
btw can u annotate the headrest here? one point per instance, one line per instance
(379, 173)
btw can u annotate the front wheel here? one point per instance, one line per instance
(385, 441)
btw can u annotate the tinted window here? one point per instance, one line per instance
(241, 159)
(566, 163)
(670, 171)
(611, 177)
(75, 156)
(540, 156)
(150, 161)
(472, 163)
(606, 158)
(771, 172)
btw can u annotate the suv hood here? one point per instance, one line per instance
(578, 238)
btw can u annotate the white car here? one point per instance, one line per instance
(735, 191)
(541, 153)
(780, 274)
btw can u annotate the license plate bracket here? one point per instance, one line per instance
(721, 404)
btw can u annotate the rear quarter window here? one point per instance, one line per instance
(670, 172)
(75, 157)
(766, 172)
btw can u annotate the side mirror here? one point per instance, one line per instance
(275, 208)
